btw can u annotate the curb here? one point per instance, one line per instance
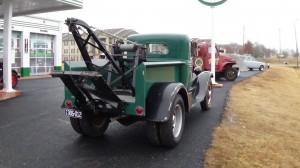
(16, 93)
(35, 77)
(9, 95)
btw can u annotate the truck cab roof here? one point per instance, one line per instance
(164, 46)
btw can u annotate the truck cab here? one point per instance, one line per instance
(224, 65)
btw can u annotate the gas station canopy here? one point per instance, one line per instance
(11, 8)
(28, 7)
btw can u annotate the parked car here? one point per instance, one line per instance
(252, 63)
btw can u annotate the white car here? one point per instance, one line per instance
(252, 63)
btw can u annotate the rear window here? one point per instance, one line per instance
(157, 48)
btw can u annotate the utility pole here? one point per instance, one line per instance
(244, 29)
(297, 51)
(279, 42)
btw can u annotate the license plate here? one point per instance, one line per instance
(73, 113)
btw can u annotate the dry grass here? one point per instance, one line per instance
(261, 124)
(289, 60)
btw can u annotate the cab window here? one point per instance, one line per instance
(157, 48)
(209, 50)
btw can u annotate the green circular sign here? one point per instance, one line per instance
(198, 62)
(212, 2)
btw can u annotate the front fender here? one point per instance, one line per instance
(201, 84)
(160, 98)
(225, 65)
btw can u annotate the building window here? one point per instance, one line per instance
(15, 45)
(72, 43)
(72, 51)
(66, 51)
(41, 53)
(65, 43)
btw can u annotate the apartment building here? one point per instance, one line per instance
(71, 52)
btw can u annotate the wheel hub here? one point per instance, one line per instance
(99, 121)
(231, 74)
(177, 120)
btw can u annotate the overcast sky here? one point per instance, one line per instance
(265, 21)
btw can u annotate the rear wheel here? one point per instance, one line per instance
(76, 125)
(171, 131)
(230, 74)
(92, 124)
(206, 103)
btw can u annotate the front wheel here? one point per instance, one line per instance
(92, 124)
(207, 103)
(172, 130)
(230, 74)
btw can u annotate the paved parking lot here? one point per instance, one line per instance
(35, 133)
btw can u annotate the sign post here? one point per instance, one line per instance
(212, 4)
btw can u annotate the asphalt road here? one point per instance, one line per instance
(35, 133)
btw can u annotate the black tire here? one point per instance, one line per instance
(153, 133)
(230, 74)
(93, 125)
(207, 103)
(75, 123)
(261, 68)
(218, 76)
(251, 69)
(171, 131)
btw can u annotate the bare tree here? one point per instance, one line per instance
(248, 49)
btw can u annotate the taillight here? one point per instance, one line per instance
(139, 110)
(68, 103)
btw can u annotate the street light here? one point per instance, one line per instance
(297, 51)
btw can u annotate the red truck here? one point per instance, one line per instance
(224, 64)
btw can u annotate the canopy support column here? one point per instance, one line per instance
(7, 81)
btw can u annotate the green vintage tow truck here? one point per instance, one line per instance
(148, 77)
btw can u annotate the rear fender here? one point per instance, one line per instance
(14, 71)
(160, 99)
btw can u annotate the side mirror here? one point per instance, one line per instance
(194, 49)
